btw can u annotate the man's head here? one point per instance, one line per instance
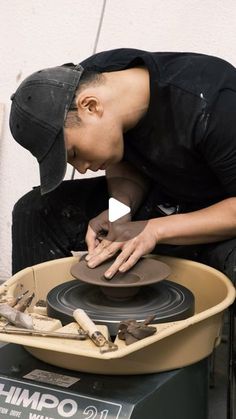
(92, 129)
(58, 114)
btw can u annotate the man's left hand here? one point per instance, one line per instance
(134, 239)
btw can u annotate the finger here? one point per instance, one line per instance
(98, 249)
(131, 261)
(91, 239)
(120, 260)
(106, 253)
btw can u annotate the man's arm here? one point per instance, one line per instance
(127, 184)
(208, 225)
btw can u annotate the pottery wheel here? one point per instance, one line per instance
(168, 300)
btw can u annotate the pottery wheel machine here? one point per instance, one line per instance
(30, 388)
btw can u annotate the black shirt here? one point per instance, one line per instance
(186, 142)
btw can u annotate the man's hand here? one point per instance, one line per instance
(128, 185)
(97, 226)
(134, 239)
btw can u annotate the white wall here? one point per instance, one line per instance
(36, 34)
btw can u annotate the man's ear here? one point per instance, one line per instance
(90, 105)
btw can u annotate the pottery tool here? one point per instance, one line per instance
(95, 335)
(16, 317)
(131, 331)
(81, 335)
(23, 304)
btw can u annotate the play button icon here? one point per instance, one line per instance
(115, 222)
(117, 210)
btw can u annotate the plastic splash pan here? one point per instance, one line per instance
(174, 345)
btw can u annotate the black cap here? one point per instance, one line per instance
(38, 111)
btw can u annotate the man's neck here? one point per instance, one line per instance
(131, 94)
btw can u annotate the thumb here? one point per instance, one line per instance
(91, 239)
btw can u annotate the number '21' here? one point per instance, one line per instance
(91, 412)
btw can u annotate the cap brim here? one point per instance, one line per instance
(53, 166)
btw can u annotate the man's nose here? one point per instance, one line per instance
(82, 168)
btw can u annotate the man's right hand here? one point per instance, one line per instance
(99, 227)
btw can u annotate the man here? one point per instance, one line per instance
(162, 125)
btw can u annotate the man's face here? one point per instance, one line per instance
(95, 144)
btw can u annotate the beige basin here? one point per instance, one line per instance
(175, 344)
